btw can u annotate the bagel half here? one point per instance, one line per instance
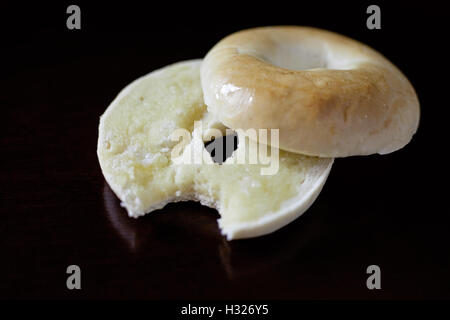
(329, 95)
(135, 155)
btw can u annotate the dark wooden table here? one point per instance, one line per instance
(56, 209)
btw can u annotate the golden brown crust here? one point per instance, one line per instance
(350, 100)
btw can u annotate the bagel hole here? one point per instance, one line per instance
(298, 57)
(222, 148)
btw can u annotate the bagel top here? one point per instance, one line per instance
(329, 95)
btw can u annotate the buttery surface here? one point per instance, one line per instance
(134, 149)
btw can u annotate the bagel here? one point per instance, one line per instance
(329, 95)
(135, 155)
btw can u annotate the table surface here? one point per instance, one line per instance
(57, 210)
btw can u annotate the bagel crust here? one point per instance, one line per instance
(329, 95)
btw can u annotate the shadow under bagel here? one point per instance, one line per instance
(193, 225)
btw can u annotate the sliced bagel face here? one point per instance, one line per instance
(135, 153)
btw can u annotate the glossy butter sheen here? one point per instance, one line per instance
(329, 95)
